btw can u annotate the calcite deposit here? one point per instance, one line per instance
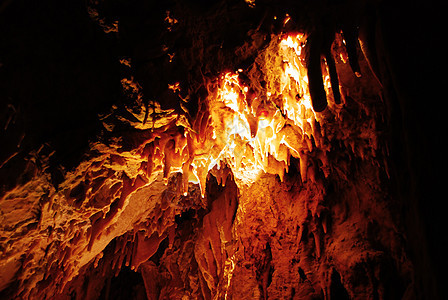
(239, 150)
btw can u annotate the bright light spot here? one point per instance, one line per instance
(253, 137)
(251, 3)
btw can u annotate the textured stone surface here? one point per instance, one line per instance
(107, 112)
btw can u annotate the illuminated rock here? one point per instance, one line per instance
(247, 159)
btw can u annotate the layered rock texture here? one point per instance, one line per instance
(219, 150)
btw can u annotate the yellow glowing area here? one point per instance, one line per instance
(252, 127)
(258, 136)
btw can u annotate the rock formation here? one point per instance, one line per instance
(217, 150)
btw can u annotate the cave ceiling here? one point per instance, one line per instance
(202, 150)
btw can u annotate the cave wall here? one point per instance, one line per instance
(75, 215)
(415, 145)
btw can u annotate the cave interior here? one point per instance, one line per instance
(222, 149)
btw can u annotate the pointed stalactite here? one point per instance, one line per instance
(333, 76)
(145, 248)
(168, 158)
(185, 177)
(253, 124)
(314, 70)
(367, 41)
(303, 166)
(149, 163)
(317, 243)
(350, 34)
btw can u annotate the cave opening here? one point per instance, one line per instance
(222, 149)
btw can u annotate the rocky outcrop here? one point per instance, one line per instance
(251, 155)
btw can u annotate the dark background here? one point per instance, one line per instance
(59, 70)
